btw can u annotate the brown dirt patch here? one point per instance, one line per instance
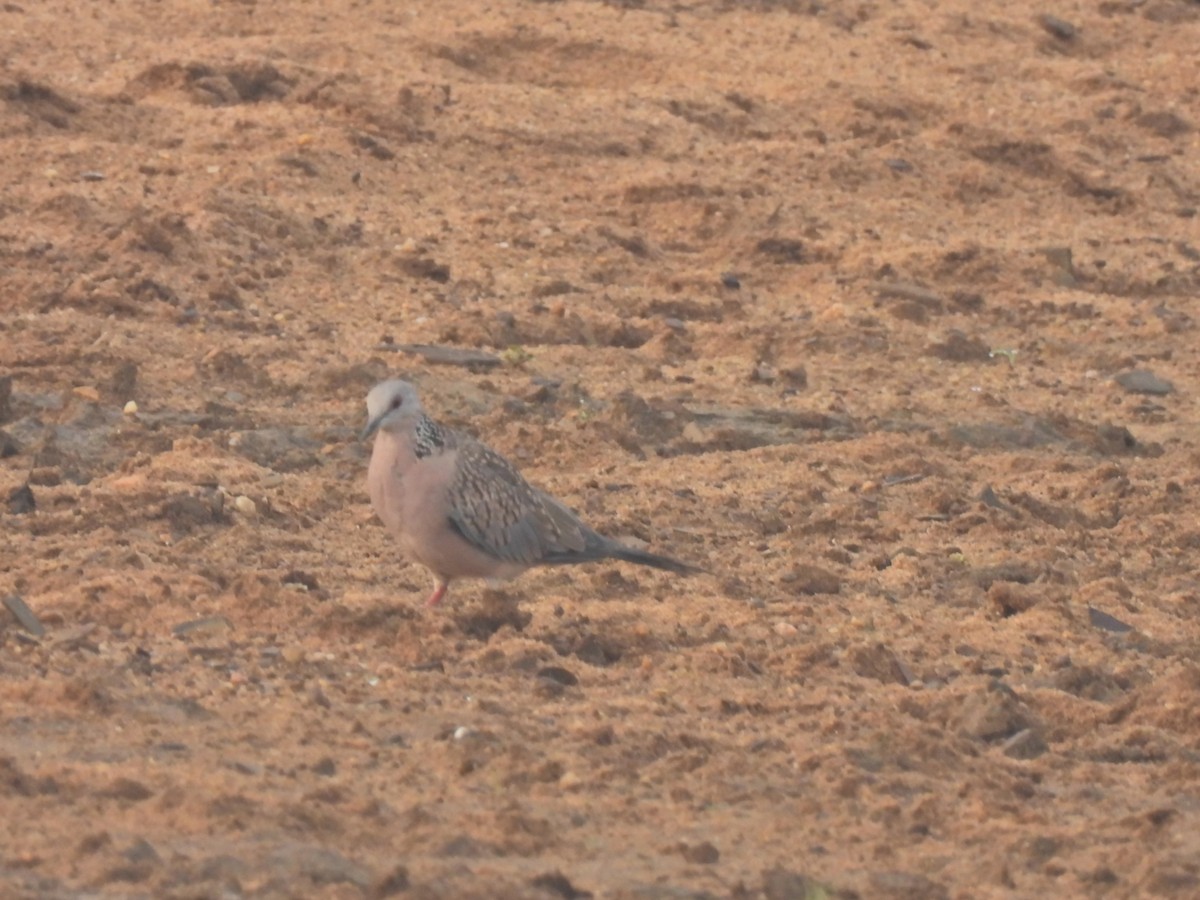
(829, 298)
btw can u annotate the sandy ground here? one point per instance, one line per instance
(885, 313)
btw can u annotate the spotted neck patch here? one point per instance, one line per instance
(429, 438)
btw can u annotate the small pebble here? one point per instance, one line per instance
(87, 392)
(130, 408)
(245, 505)
(763, 373)
(785, 629)
(1060, 28)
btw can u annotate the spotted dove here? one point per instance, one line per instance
(462, 510)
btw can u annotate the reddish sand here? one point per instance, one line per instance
(831, 299)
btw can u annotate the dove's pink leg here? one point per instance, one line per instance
(439, 591)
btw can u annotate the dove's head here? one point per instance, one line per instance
(391, 405)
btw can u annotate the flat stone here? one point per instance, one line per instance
(1143, 381)
(437, 354)
(1102, 620)
(24, 615)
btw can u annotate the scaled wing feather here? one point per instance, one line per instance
(499, 512)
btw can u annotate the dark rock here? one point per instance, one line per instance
(1039, 850)
(393, 883)
(142, 851)
(20, 500)
(24, 615)
(595, 652)
(1102, 877)
(5, 397)
(425, 268)
(1104, 621)
(1143, 381)
(1165, 124)
(376, 146)
(989, 498)
(558, 884)
(123, 383)
(1062, 261)
(1116, 440)
(127, 789)
(558, 674)
(15, 781)
(704, 854)
(555, 288)
(1059, 28)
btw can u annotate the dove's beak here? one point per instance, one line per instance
(372, 427)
